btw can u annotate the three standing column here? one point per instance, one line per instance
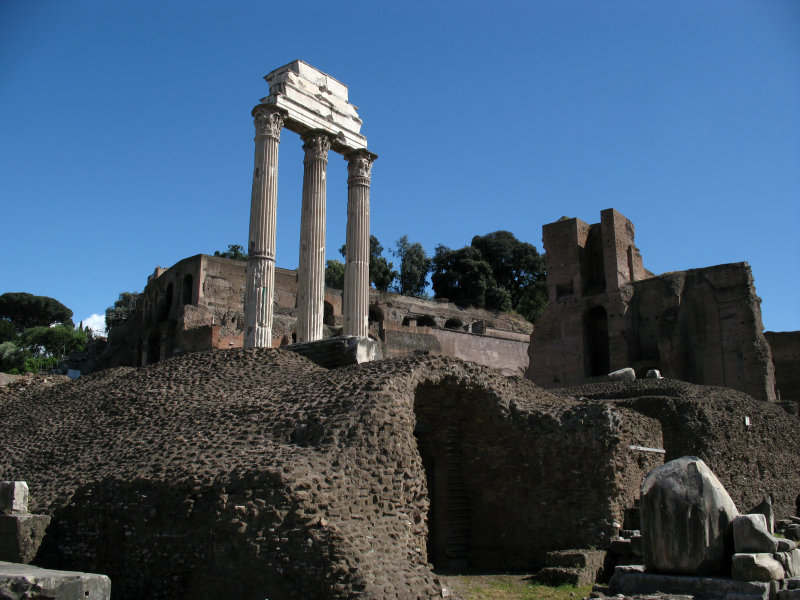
(311, 271)
(260, 284)
(356, 270)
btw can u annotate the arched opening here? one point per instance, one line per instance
(154, 348)
(187, 289)
(167, 306)
(426, 321)
(595, 336)
(453, 324)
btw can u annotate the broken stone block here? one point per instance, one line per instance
(13, 497)
(20, 536)
(23, 582)
(750, 535)
(653, 374)
(790, 561)
(765, 508)
(685, 518)
(626, 374)
(756, 567)
(792, 532)
(785, 545)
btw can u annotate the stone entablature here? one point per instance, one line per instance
(607, 312)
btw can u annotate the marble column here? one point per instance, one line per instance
(311, 271)
(260, 286)
(356, 269)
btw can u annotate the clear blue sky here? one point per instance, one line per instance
(126, 139)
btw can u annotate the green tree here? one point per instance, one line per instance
(414, 267)
(234, 252)
(381, 274)
(8, 333)
(334, 274)
(57, 341)
(11, 357)
(496, 271)
(518, 268)
(26, 310)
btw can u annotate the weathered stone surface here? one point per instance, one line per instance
(21, 536)
(26, 582)
(632, 580)
(13, 497)
(750, 535)
(756, 567)
(792, 532)
(255, 473)
(686, 514)
(790, 561)
(708, 422)
(626, 374)
(788, 594)
(785, 545)
(765, 508)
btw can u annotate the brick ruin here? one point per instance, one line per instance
(606, 312)
(197, 305)
(253, 473)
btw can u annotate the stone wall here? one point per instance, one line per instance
(608, 312)
(254, 473)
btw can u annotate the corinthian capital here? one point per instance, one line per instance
(359, 163)
(316, 144)
(268, 121)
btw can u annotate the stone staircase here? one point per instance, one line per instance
(458, 509)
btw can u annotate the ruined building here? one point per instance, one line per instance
(197, 305)
(606, 312)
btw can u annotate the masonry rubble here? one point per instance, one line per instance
(696, 543)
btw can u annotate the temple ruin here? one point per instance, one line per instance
(314, 105)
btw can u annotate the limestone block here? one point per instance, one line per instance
(750, 535)
(756, 567)
(653, 374)
(20, 536)
(626, 374)
(790, 561)
(793, 583)
(685, 518)
(23, 582)
(13, 497)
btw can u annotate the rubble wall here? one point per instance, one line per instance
(254, 473)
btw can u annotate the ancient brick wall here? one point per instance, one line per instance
(198, 304)
(785, 348)
(607, 312)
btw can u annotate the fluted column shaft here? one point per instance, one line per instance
(356, 269)
(311, 271)
(260, 285)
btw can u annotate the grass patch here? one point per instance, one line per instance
(510, 587)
